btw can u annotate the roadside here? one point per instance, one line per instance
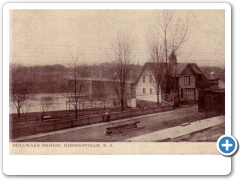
(96, 133)
(195, 130)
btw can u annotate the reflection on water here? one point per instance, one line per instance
(58, 102)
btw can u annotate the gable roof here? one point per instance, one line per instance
(143, 69)
(202, 81)
(180, 67)
(195, 68)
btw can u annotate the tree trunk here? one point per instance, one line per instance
(18, 111)
(122, 104)
(158, 103)
(76, 112)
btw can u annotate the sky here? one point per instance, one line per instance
(48, 37)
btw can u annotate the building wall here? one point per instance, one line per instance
(192, 81)
(189, 91)
(150, 92)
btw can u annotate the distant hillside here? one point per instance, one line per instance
(104, 70)
(219, 72)
(47, 79)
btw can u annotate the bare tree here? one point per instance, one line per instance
(157, 67)
(25, 110)
(74, 84)
(172, 29)
(21, 88)
(121, 61)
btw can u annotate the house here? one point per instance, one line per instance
(188, 78)
(145, 87)
(189, 81)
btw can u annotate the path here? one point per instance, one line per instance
(96, 132)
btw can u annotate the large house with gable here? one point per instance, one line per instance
(188, 78)
(189, 81)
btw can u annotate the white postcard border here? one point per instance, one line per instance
(113, 164)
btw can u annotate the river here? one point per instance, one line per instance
(58, 102)
(33, 104)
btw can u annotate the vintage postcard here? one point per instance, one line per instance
(117, 79)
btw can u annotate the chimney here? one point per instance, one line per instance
(212, 76)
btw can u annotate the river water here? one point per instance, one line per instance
(33, 104)
(57, 101)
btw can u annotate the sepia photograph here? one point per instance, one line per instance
(95, 78)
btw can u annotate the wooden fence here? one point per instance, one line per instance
(21, 130)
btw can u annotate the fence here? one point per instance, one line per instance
(54, 125)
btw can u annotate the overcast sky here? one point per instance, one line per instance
(46, 37)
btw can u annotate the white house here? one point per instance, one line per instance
(188, 77)
(145, 88)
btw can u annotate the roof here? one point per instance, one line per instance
(219, 84)
(202, 81)
(196, 68)
(181, 66)
(143, 69)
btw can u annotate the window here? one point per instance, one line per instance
(144, 90)
(189, 94)
(151, 91)
(187, 80)
(181, 93)
(144, 79)
(151, 79)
